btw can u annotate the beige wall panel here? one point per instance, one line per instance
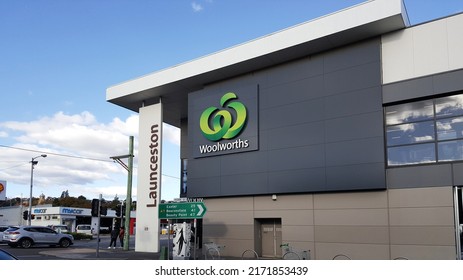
(288, 217)
(229, 231)
(421, 197)
(298, 233)
(228, 204)
(435, 216)
(423, 236)
(351, 217)
(430, 56)
(397, 49)
(232, 247)
(351, 234)
(327, 251)
(230, 217)
(351, 200)
(284, 202)
(455, 42)
(411, 53)
(299, 248)
(413, 252)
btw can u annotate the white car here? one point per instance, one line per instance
(27, 236)
(59, 228)
(2, 229)
(85, 229)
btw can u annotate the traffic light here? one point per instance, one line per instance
(95, 205)
(103, 210)
(26, 215)
(118, 211)
(123, 210)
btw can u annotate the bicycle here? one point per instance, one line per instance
(289, 253)
(213, 250)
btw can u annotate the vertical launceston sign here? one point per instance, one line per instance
(149, 178)
(226, 122)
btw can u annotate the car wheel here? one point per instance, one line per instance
(64, 243)
(26, 243)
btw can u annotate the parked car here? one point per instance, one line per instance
(27, 236)
(85, 229)
(59, 228)
(2, 229)
(4, 255)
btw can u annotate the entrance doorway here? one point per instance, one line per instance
(269, 237)
(458, 202)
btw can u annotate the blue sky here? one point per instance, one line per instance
(57, 58)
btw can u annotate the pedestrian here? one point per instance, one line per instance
(121, 236)
(114, 235)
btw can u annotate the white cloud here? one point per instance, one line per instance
(196, 7)
(82, 139)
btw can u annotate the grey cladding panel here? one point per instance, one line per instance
(320, 129)
(420, 176)
(355, 152)
(423, 87)
(297, 91)
(348, 104)
(355, 78)
(301, 180)
(244, 184)
(348, 57)
(356, 177)
(296, 113)
(355, 127)
(296, 135)
(296, 158)
(244, 163)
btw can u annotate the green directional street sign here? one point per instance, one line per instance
(182, 210)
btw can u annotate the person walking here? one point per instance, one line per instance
(121, 236)
(114, 235)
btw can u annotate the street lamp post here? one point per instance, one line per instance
(33, 162)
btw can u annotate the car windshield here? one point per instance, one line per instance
(12, 229)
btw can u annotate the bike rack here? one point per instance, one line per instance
(250, 250)
(341, 255)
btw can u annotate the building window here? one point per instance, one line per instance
(426, 131)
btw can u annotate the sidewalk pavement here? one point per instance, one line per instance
(103, 254)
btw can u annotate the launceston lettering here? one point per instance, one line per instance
(218, 147)
(154, 166)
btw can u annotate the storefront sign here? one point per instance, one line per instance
(149, 178)
(226, 122)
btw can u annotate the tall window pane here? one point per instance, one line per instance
(410, 112)
(411, 154)
(410, 133)
(448, 129)
(449, 106)
(450, 150)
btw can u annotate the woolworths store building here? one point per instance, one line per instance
(342, 136)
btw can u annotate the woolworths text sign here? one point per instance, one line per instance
(225, 122)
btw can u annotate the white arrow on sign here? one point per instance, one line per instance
(201, 209)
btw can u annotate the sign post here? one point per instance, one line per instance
(182, 210)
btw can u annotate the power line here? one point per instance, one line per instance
(55, 154)
(14, 166)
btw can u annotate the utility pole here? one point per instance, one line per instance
(128, 200)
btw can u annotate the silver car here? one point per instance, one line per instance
(2, 229)
(27, 236)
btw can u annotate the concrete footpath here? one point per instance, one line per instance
(103, 254)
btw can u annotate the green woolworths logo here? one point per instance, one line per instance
(223, 128)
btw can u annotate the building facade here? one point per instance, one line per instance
(340, 136)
